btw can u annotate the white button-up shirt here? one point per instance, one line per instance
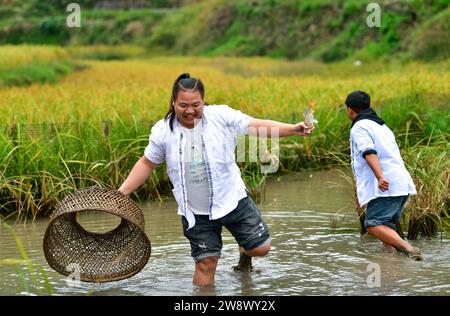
(220, 127)
(368, 135)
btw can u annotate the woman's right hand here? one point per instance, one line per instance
(301, 129)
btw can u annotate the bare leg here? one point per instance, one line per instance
(245, 257)
(245, 262)
(205, 271)
(390, 237)
(260, 251)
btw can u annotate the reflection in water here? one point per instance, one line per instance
(205, 290)
(317, 250)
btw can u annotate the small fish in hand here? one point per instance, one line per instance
(309, 115)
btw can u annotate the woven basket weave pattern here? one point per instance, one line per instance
(101, 257)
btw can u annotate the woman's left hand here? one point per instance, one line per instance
(301, 129)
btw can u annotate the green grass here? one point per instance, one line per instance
(327, 30)
(40, 164)
(90, 129)
(430, 41)
(34, 279)
(429, 164)
(105, 52)
(36, 73)
(24, 65)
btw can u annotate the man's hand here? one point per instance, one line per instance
(383, 184)
(301, 129)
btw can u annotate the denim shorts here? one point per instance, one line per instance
(244, 223)
(385, 211)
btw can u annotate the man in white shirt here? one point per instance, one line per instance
(382, 181)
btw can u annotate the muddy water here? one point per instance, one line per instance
(317, 250)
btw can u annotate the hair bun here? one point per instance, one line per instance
(183, 76)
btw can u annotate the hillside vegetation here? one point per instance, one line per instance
(326, 30)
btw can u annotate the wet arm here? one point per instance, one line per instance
(140, 172)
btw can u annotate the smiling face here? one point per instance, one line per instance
(188, 107)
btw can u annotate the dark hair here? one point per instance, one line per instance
(186, 83)
(358, 101)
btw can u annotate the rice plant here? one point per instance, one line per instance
(92, 126)
(429, 166)
(34, 279)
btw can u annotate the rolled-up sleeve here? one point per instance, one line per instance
(236, 119)
(364, 142)
(155, 149)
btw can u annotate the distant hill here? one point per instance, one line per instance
(327, 30)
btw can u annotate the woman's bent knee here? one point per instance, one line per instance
(260, 251)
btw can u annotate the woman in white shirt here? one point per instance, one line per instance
(197, 142)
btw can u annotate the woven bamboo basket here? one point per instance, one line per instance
(99, 257)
